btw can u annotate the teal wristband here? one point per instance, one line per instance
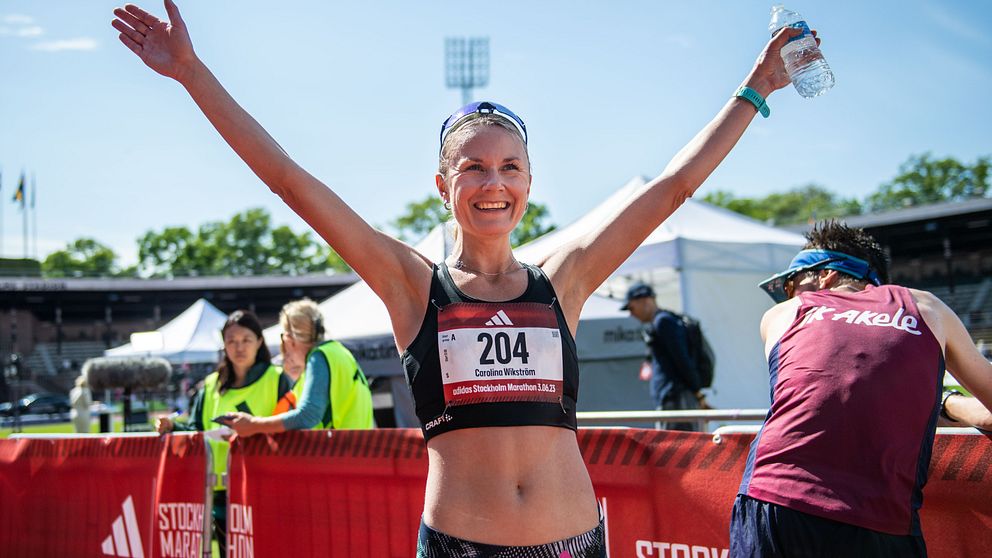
(755, 98)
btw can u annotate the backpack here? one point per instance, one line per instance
(699, 349)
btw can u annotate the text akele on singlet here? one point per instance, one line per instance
(898, 321)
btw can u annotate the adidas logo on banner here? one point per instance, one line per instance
(500, 319)
(125, 539)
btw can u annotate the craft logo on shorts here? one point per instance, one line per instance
(656, 549)
(180, 529)
(240, 532)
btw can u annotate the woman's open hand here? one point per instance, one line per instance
(163, 46)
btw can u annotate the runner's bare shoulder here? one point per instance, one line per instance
(933, 311)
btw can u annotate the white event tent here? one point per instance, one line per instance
(191, 337)
(706, 262)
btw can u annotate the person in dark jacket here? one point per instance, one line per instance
(675, 382)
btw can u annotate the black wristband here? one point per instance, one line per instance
(943, 403)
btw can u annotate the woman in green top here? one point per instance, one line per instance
(245, 381)
(332, 392)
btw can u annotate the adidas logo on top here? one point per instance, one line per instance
(125, 538)
(499, 319)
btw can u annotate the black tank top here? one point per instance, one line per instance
(476, 363)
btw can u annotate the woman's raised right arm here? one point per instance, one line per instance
(165, 46)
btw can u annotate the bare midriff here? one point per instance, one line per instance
(511, 486)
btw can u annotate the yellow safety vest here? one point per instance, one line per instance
(350, 400)
(258, 398)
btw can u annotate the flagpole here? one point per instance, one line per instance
(24, 215)
(34, 214)
(24, 222)
(1, 216)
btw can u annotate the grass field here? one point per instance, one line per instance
(57, 428)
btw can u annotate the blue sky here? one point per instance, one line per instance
(355, 92)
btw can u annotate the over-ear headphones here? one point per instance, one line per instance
(318, 328)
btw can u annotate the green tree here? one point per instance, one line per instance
(922, 179)
(83, 257)
(422, 216)
(245, 245)
(798, 205)
(419, 218)
(533, 224)
(170, 252)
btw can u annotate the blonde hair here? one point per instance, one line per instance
(302, 320)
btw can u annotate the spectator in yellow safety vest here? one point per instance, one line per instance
(331, 390)
(245, 381)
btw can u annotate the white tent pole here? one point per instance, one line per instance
(680, 266)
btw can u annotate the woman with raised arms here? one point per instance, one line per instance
(487, 342)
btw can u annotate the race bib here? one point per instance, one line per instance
(496, 352)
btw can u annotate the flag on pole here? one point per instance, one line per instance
(19, 192)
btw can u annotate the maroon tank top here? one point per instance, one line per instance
(855, 384)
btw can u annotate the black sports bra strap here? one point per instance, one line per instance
(447, 285)
(542, 284)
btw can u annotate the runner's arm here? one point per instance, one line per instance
(582, 266)
(963, 360)
(392, 269)
(776, 321)
(968, 411)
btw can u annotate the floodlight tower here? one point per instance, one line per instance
(466, 64)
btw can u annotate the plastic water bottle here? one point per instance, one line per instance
(804, 62)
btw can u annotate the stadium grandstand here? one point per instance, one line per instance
(55, 324)
(944, 248)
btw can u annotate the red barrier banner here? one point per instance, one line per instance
(326, 493)
(957, 500)
(94, 496)
(665, 494)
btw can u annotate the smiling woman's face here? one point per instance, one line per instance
(488, 181)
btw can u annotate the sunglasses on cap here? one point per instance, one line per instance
(814, 260)
(482, 107)
(790, 282)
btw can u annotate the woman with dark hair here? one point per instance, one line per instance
(487, 341)
(245, 381)
(330, 389)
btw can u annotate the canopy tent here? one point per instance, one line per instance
(704, 261)
(191, 337)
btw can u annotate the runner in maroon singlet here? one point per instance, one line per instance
(856, 369)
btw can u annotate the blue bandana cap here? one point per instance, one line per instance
(807, 260)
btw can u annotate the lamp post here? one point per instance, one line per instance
(12, 372)
(466, 64)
